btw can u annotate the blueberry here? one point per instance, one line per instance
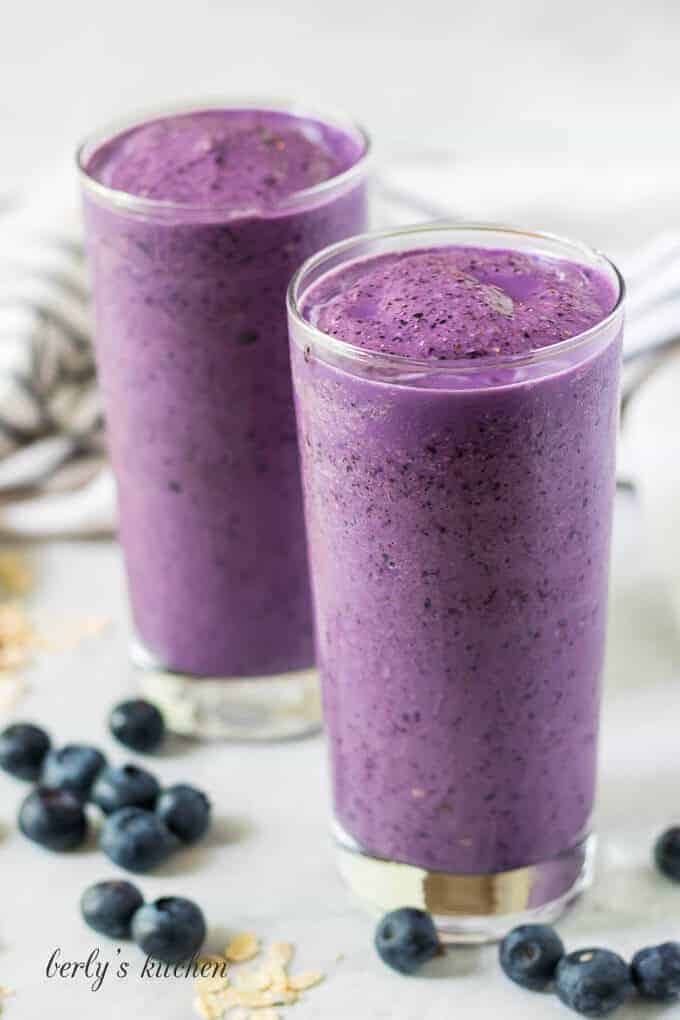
(54, 818)
(74, 768)
(136, 839)
(109, 907)
(137, 724)
(593, 981)
(23, 747)
(172, 929)
(667, 853)
(186, 812)
(529, 955)
(128, 786)
(656, 972)
(406, 939)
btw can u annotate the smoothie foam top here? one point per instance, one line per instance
(456, 302)
(234, 157)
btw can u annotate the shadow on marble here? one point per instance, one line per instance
(628, 892)
(174, 746)
(455, 961)
(223, 832)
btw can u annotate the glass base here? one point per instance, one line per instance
(469, 908)
(278, 707)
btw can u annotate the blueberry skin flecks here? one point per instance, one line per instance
(529, 955)
(138, 725)
(108, 907)
(406, 939)
(128, 786)
(74, 768)
(53, 818)
(136, 840)
(186, 812)
(593, 982)
(656, 972)
(171, 929)
(667, 853)
(23, 747)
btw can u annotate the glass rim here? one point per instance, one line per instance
(298, 199)
(389, 360)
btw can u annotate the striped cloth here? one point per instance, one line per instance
(54, 476)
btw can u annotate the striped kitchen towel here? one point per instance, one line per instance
(54, 475)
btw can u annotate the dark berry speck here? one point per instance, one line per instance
(108, 907)
(667, 853)
(136, 840)
(74, 768)
(406, 939)
(23, 747)
(137, 724)
(529, 955)
(172, 929)
(128, 786)
(246, 337)
(656, 972)
(53, 818)
(593, 982)
(186, 812)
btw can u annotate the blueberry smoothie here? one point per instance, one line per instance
(195, 225)
(458, 468)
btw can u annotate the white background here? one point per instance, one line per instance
(562, 116)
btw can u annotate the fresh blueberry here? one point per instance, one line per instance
(667, 853)
(74, 768)
(54, 818)
(23, 747)
(186, 812)
(656, 972)
(406, 939)
(593, 982)
(137, 724)
(136, 839)
(529, 955)
(172, 929)
(128, 786)
(109, 907)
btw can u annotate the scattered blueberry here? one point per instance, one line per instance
(667, 853)
(23, 747)
(593, 982)
(172, 929)
(54, 818)
(137, 724)
(109, 907)
(128, 786)
(406, 939)
(529, 955)
(656, 972)
(74, 768)
(186, 812)
(136, 839)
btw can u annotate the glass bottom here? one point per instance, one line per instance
(469, 908)
(274, 707)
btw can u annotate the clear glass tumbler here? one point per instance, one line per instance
(192, 354)
(458, 517)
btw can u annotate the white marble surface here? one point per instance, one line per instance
(557, 116)
(269, 866)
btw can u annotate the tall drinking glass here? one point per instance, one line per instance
(195, 222)
(458, 472)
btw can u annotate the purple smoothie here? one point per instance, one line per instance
(459, 537)
(189, 279)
